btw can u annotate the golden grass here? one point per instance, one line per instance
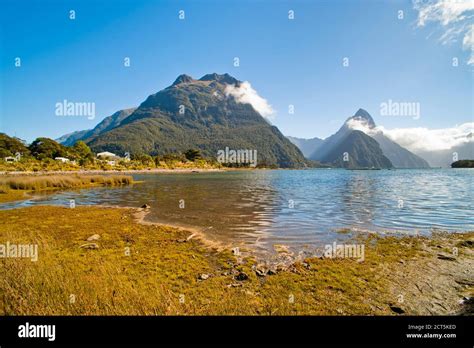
(7, 195)
(160, 275)
(61, 181)
(14, 188)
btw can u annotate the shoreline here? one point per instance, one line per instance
(105, 172)
(195, 233)
(177, 171)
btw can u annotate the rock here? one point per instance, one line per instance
(397, 310)
(234, 285)
(145, 206)
(236, 251)
(261, 270)
(191, 236)
(271, 272)
(446, 257)
(90, 246)
(280, 248)
(468, 306)
(93, 237)
(465, 281)
(203, 276)
(241, 276)
(466, 243)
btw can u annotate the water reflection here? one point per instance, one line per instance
(297, 208)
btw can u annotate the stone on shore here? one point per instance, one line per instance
(93, 237)
(91, 246)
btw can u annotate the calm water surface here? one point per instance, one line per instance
(298, 208)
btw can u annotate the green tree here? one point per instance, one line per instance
(193, 154)
(43, 148)
(82, 151)
(9, 146)
(145, 159)
(463, 164)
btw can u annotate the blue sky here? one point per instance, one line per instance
(296, 62)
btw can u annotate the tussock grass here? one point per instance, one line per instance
(160, 275)
(36, 183)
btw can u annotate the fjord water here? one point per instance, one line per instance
(297, 208)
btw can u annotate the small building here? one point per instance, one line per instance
(106, 154)
(10, 159)
(62, 159)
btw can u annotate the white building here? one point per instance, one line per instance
(62, 159)
(106, 154)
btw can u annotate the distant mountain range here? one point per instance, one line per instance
(205, 115)
(372, 150)
(107, 124)
(191, 114)
(307, 146)
(444, 158)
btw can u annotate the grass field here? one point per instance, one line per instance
(14, 187)
(136, 269)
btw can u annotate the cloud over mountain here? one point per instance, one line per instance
(245, 94)
(421, 139)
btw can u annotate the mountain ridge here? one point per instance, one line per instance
(357, 150)
(398, 155)
(198, 114)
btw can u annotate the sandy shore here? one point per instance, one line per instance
(134, 171)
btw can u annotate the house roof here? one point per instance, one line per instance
(106, 154)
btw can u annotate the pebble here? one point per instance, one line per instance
(93, 237)
(90, 246)
(446, 257)
(241, 276)
(397, 310)
(204, 276)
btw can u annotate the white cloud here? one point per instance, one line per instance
(363, 126)
(421, 139)
(455, 17)
(444, 11)
(468, 41)
(424, 139)
(244, 93)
